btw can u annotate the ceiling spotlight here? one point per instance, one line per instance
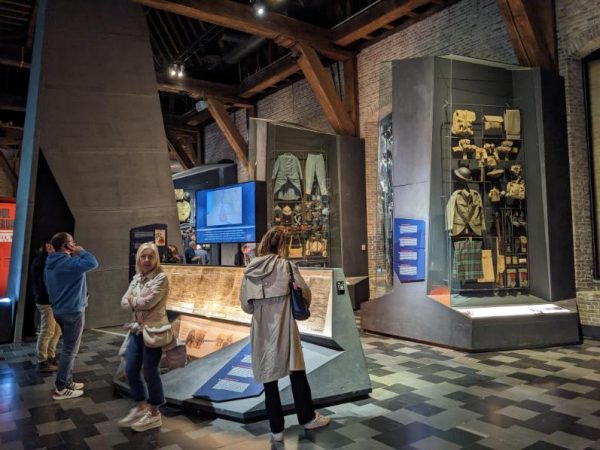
(259, 8)
(176, 70)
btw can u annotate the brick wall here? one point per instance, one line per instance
(578, 28)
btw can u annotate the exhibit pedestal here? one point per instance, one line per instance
(335, 362)
(475, 328)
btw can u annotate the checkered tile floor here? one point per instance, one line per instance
(423, 398)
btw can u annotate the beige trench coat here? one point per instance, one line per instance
(274, 335)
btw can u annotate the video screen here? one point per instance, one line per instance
(226, 214)
(224, 207)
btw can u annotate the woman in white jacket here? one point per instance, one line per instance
(274, 336)
(146, 298)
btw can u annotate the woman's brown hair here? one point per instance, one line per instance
(273, 242)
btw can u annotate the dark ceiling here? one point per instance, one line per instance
(215, 53)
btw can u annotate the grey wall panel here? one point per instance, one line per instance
(413, 85)
(102, 132)
(547, 176)
(353, 204)
(557, 181)
(537, 207)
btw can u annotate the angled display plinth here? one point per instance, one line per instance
(207, 299)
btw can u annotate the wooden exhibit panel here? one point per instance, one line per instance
(213, 292)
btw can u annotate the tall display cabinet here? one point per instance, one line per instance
(480, 169)
(316, 191)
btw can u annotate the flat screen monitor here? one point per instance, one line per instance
(230, 214)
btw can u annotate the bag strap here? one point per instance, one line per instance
(289, 264)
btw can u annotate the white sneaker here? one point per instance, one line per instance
(75, 386)
(66, 393)
(147, 422)
(134, 415)
(277, 437)
(318, 422)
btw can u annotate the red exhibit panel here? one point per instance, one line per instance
(7, 218)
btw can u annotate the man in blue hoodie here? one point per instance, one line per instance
(67, 289)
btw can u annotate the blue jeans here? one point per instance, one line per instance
(137, 355)
(71, 326)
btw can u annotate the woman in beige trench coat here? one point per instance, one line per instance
(274, 336)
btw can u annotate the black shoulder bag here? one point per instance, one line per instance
(300, 309)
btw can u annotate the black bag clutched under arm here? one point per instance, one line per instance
(300, 309)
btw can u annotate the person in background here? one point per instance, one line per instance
(190, 252)
(172, 255)
(146, 298)
(49, 330)
(202, 256)
(274, 335)
(65, 279)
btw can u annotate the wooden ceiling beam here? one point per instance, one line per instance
(531, 26)
(322, 85)
(351, 91)
(14, 55)
(268, 77)
(284, 30)
(176, 147)
(12, 103)
(232, 134)
(374, 18)
(199, 89)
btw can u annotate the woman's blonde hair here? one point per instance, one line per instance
(145, 246)
(273, 242)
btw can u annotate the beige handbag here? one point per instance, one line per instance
(157, 334)
(487, 264)
(295, 248)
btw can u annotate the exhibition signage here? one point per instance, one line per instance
(409, 249)
(156, 232)
(7, 217)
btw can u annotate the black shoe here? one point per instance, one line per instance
(46, 366)
(53, 361)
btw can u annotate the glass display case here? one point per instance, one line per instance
(384, 236)
(300, 189)
(315, 190)
(479, 171)
(479, 229)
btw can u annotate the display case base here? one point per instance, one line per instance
(433, 321)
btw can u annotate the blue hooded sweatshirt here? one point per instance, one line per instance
(65, 281)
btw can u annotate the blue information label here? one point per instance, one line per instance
(233, 382)
(409, 249)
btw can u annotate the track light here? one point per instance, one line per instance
(176, 70)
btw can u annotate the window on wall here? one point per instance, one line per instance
(591, 70)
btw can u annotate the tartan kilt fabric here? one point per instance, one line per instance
(467, 260)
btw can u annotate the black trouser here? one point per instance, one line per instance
(302, 401)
